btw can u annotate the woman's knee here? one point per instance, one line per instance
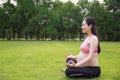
(67, 72)
(71, 72)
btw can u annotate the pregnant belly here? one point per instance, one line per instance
(92, 62)
(81, 56)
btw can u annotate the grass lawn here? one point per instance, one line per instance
(42, 60)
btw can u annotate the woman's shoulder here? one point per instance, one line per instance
(94, 38)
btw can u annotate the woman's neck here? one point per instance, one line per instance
(89, 34)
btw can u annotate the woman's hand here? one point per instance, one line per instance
(71, 64)
(69, 55)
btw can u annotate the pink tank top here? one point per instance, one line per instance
(86, 47)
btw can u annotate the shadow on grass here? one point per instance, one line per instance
(68, 78)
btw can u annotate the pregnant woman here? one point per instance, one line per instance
(86, 65)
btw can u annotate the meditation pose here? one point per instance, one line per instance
(85, 64)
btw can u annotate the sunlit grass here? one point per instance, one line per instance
(42, 60)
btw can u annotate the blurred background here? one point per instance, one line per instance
(57, 19)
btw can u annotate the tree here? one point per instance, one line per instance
(42, 19)
(113, 6)
(8, 10)
(83, 6)
(39, 23)
(2, 23)
(71, 20)
(25, 11)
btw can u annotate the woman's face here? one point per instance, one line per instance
(85, 27)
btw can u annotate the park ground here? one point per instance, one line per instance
(43, 60)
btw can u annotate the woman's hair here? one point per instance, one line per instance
(91, 21)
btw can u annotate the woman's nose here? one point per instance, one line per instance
(82, 27)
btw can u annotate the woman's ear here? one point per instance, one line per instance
(90, 26)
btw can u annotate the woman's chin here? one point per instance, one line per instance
(83, 32)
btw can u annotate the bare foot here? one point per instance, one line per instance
(63, 69)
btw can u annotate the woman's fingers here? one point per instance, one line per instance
(68, 55)
(70, 65)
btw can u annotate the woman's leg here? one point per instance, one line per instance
(83, 72)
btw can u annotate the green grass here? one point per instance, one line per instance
(42, 60)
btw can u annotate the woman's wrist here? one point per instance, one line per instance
(75, 65)
(74, 57)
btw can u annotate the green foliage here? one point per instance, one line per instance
(36, 18)
(5, 20)
(113, 5)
